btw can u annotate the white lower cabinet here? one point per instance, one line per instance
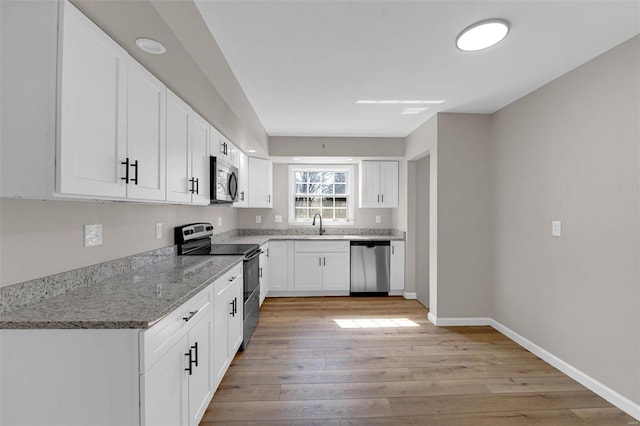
(322, 266)
(228, 320)
(396, 267)
(280, 265)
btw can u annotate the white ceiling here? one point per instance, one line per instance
(304, 63)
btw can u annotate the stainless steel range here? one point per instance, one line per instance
(195, 240)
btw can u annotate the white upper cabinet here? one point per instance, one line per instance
(146, 139)
(223, 149)
(178, 150)
(260, 183)
(378, 184)
(187, 154)
(92, 113)
(199, 160)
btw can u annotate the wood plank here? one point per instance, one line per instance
(302, 368)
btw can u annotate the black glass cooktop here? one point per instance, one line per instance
(230, 249)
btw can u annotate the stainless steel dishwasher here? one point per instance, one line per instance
(370, 267)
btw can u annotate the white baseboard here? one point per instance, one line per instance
(620, 401)
(409, 296)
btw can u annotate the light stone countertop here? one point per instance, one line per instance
(135, 300)
(139, 299)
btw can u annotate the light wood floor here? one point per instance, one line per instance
(302, 368)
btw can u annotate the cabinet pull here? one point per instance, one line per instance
(267, 252)
(189, 369)
(260, 272)
(393, 249)
(319, 261)
(192, 181)
(233, 311)
(195, 347)
(382, 196)
(378, 197)
(135, 179)
(235, 305)
(324, 261)
(231, 279)
(126, 170)
(241, 195)
(191, 315)
(197, 185)
(269, 198)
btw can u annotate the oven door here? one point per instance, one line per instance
(224, 182)
(251, 271)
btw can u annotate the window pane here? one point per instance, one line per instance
(302, 202)
(341, 188)
(302, 176)
(327, 202)
(341, 213)
(315, 201)
(314, 188)
(312, 212)
(301, 188)
(341, 202)
(327, 213)
(340, 177)
(301, 213)
(327, 189)
(315, 176)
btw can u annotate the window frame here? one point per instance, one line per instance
(349, 169)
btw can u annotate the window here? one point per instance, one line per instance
(321, 189)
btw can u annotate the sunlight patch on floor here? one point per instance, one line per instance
(375, 323)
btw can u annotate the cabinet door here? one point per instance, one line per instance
(165, 390)
(397, 266)
(234, 155)
(201, 381)
(308, 271)
(92, 113)
(369, 180)
(260, 182)
(335, 271)
(146, 141)
(264, 272)
(236, 321)
(200, 160)
(221, 326)
(178, 150)
(243, 180)
(388, 184)
(278, 266)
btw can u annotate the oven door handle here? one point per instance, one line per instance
(252, 255)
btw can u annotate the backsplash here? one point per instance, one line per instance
(328, 231)
(26, 293)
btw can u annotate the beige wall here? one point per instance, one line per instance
(463, 216)
(39, 238)
(570, 151)
(287, 146)
(364, 218)
(421, 234)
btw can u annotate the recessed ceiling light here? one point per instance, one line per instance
(150, 46)
(366, 102)
(482, 34)
(251, 150)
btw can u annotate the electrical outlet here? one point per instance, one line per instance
(378, 218)
(258, 219)
(219, 221)
(556, 228)
(158, 230)
(92, 235)
(278, 218)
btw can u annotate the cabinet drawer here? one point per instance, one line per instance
(229, 277)
(322, 246)
(157, 340)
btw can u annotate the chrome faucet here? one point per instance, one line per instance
(314, 222)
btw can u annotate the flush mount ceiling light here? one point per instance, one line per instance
(482, 34)
(150, 46)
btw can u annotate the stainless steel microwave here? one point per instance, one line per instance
(224, 182)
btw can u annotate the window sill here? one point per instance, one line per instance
(324, 224)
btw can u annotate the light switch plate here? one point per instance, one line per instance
(219, 221)
(158, 230)
(378, 218)
(278, 218)
(556, 228)
(92, 235)
(258, 219)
